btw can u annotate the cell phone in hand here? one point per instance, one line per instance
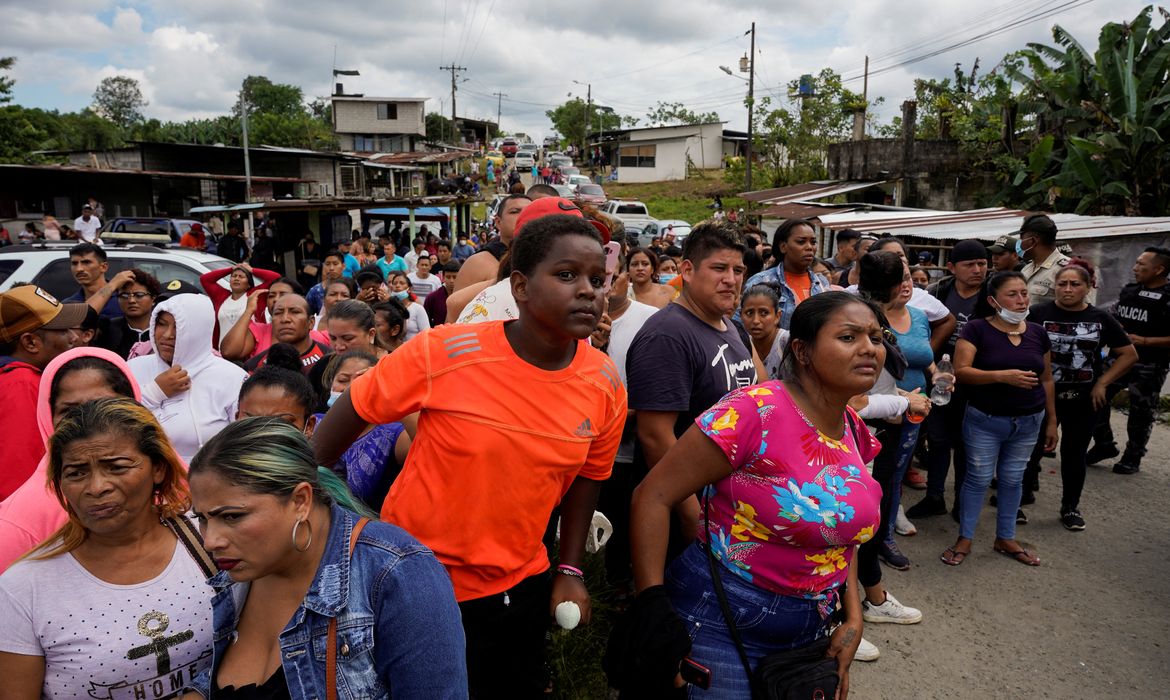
(695, 673)
(613, 251)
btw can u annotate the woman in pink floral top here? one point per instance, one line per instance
(782, 465)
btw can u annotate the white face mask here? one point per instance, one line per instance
(1012, 317)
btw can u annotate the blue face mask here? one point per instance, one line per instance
(333, 397)
(401, 295)
(666, 278)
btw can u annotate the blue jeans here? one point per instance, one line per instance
(767, 622)
(996, 446)
(907, 442)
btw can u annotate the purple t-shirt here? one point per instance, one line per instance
(994, 351)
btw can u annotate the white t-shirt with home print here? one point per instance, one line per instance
(102, 640)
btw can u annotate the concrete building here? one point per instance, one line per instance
(379, 124)
(653, 154)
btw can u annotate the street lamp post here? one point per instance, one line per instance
(747, 64)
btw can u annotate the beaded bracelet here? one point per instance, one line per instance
(566, 570)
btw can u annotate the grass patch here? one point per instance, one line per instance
(575, 656)
(679, 199)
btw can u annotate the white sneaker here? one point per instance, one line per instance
(890, 611)
(902, 525)
(866, 651)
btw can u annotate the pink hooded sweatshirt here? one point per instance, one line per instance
(32, 512)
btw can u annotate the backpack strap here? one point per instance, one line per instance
(331, 644)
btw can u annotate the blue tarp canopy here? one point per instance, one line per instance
(403, 213)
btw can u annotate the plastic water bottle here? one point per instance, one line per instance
(944, 382)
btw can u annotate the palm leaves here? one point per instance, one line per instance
(1101, 125)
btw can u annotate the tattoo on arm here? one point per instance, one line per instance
(848, 638)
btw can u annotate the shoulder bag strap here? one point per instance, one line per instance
(191, 539)
(724, 607)
(331, 644)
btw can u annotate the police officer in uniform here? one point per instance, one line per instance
(1037, 246)
(1144, 312)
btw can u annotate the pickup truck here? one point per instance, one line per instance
(630, 212)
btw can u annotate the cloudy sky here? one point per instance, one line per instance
(190, 57)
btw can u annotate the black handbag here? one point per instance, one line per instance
(804, 673)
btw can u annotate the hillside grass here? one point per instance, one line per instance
(679, 199)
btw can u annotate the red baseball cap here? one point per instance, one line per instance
(549, 206)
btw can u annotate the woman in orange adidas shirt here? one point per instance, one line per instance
(516, 417)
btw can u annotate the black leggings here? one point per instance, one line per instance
(1077, 419)
(869, 569)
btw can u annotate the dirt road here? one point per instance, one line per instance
(1090, 622)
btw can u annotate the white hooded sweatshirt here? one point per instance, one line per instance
(192, 417)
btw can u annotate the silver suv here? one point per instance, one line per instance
(47, 265)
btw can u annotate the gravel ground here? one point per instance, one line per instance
(1090, 622)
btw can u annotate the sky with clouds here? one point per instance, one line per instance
(190, 57)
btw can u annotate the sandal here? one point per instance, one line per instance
(952, 556)
(1021, 555)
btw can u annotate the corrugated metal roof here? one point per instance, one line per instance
(988, 224)
(817, 189)
(804, 210)
(417, 158)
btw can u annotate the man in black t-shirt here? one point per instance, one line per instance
(967, 263)
(689, 355)
(1143, 309)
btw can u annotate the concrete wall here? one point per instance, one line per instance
(938, 178)
(321, 172)
(352, 117)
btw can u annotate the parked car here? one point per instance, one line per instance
(47, 264)
(523, 160)
(529, 148)
(569, 171)
(576, 181)
(495, 158)
(680, 228)
(138, 229)
(564, 191)
(590, 194)
(559, 160)
(509, 147)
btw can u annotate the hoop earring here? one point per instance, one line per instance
(308, 544)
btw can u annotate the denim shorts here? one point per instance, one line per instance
(767, 622)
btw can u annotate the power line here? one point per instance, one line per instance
(481, 30)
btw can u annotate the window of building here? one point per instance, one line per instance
(364, 143)
(387, 110)
(637, 156)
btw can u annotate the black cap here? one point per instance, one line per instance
(967, 250)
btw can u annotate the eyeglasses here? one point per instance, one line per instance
(133, 295)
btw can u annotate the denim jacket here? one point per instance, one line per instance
(775, 275)
(399, 632)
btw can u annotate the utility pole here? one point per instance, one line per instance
(454, 76)
(499, 101)
(247, 160)
(751, 108)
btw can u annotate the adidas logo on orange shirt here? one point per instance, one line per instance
(585, 429)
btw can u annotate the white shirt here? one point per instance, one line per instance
(420, 287)
(621, 336)
(418, 321)
(411, 259)
(922, 300)
(96, 637)
(229, 312)
(87, 230)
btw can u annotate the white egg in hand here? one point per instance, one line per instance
(568, 614)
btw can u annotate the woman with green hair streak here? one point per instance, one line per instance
(279, 528)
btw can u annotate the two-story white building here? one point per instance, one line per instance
(379, 124)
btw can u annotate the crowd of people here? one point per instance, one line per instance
(380, 477)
